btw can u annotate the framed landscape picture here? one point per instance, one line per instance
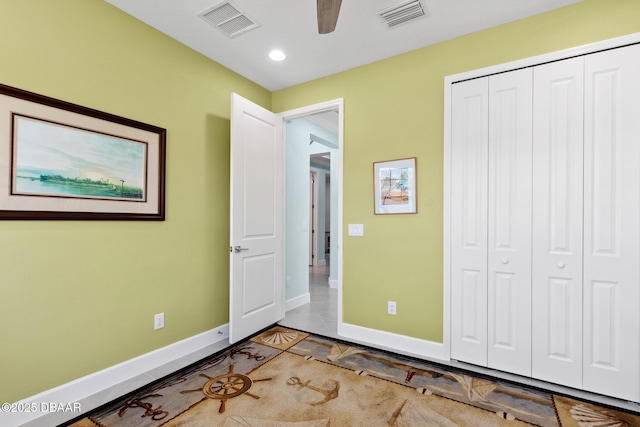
(395, 186)
(64, 161)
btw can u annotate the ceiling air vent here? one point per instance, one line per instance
(402, 13)
(227, 18)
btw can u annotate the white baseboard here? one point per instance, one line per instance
(394, 342)
(333, 283)
(89, 392)
(298, 301)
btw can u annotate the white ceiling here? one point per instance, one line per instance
(290, 25)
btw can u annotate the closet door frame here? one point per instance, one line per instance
(448, 82)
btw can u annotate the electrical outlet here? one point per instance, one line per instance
(158, 321)
(391, 307)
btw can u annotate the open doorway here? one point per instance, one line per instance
(320, 210)
(313, 226)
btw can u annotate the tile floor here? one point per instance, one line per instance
(320, 316)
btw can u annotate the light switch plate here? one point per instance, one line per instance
(356, 230)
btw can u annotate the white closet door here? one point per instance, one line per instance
(611, 223)
(557, 222)
(509, 252)
(469, 153)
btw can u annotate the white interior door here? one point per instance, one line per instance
(469, 169)
(557, 222)
(509, 220)
(257, 219)
(611, 223)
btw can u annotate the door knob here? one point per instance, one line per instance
(505, 261)
(560, 264)
(238, 249)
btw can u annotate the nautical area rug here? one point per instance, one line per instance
(283, 377)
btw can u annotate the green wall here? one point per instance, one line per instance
(79, 296)
(393, 109)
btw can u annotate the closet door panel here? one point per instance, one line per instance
(469, 148)
(611, 223)
(509, 238)
(557, 222)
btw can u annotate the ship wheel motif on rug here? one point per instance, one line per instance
(226, 386)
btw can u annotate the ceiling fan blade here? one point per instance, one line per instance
(328, 11)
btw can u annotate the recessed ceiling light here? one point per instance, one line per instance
(277, 55)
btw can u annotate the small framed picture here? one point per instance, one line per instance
(394, 184)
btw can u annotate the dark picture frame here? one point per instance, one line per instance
(60, 160)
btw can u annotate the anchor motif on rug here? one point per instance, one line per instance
(328, 394)
(156, 414)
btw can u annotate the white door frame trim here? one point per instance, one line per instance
(336, 104)
(448, 82)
